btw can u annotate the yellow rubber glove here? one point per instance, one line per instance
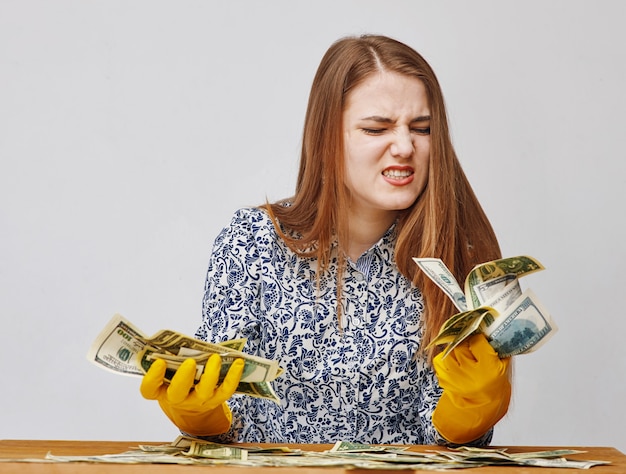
(199, 410)
(476, 390)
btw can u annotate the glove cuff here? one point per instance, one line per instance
(461, 420)
(210, 423)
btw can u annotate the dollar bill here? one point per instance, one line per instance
(514, 322)
(515, 266)
(203, 449)
(489, 289)
(461, 326)
(122, 348)
(444, 279)
(354, 447)
(552, 458)
(505, 298)
(117, 347)
(524, 328)
(346, 454)
(256, 369)
(258, 390)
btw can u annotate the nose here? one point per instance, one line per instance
(402, 145)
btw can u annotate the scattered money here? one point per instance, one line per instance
(346, 454)
(122, 348)
(492, 301)
(202, 449)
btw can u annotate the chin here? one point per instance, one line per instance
(402, 205)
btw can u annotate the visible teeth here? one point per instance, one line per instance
(397, 173)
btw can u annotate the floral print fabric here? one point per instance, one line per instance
(356, 378)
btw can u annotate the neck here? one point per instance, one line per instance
(366, 230)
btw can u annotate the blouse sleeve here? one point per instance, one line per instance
(231, 303)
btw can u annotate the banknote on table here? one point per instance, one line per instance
(347, 454)
(122, 348)
(203, 449)
(492, 302)
(382, 457)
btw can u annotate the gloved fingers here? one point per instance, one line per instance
(153, 380)
(468, 351)
(486, 355)
(474, 350)
(439, 363)
(450, 379)
(230, 383)
(454, 360)
(182, 382)
(480, 348)
(460, 371)
(205, 388)
(445, 368)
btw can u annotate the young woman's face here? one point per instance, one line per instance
(386, 126)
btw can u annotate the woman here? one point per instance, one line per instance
(324, 282)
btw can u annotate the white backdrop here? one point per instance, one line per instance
(131, 130)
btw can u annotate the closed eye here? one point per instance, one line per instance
(373, 131)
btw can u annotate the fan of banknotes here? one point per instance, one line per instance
(514, 321)
(122, 348)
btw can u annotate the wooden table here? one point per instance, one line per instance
(25, 449)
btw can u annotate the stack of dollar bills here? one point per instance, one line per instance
(122, 348)
(492, 301)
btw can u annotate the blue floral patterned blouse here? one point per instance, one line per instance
(357, 379)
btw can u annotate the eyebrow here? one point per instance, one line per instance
(378, 118)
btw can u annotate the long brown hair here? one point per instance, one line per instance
(446, 221)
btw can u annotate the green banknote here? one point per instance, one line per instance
(122, 348)
(513, 321)
(506, 267)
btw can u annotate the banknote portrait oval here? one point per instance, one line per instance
(124, 354)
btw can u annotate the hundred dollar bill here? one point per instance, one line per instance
(490, 289)
(122, 348)
(355, 447)
(514, 266)
(524, 328)
(204, 449)
(116, 348)
(444, 279)
(177, 347)
(483, 281)
(504, 298)
(258, 390)
(554, 458)
(460, 327)
(514, 322)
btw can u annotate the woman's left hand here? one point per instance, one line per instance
(476, 390)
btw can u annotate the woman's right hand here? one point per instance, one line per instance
(198, 409)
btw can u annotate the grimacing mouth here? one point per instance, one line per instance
(397, 174)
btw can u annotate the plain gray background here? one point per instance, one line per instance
(131, 130)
